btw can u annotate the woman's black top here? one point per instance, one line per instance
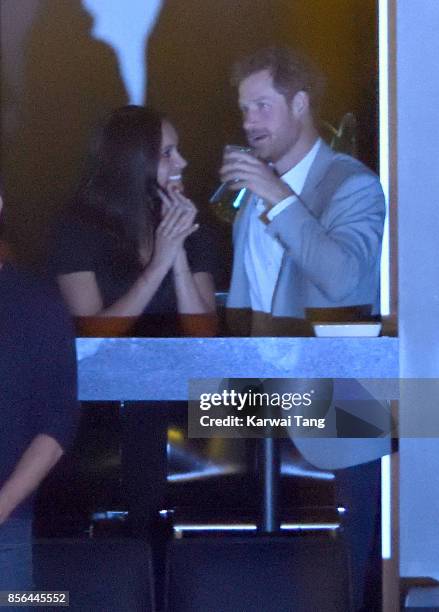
(79, 247)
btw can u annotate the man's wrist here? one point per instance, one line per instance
(272, 213)
(282, 192)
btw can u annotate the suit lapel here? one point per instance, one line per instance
(317, 172)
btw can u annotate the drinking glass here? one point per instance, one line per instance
(223, 195)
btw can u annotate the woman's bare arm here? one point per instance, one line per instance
(81, 292)
(195, 291)
(83, 298)
(36, 462)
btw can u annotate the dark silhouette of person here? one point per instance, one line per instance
(71, 82)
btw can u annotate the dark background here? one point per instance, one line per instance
(70, 81)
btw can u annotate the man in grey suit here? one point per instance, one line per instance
(308, 236)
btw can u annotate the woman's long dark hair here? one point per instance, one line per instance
(119, 190)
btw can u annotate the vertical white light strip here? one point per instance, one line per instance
(384, 143)
(384, 164)
(386, 507)
(126, 26)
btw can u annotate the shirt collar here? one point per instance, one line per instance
(296, 176)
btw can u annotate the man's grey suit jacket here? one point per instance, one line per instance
(332, 239)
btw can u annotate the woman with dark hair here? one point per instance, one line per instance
(130, 245)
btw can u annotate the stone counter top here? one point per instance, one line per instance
(160, 368)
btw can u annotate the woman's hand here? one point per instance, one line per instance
(178, 215)
(174, 198)
(195, 292)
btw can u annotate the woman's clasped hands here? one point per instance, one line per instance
(177, 223)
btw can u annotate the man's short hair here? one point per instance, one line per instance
(291, 72)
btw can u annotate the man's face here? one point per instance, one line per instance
(268, 119)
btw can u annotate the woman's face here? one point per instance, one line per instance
(171, 163)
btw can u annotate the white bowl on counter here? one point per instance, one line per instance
(347, 330)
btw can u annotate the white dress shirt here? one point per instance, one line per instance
(263, 253)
